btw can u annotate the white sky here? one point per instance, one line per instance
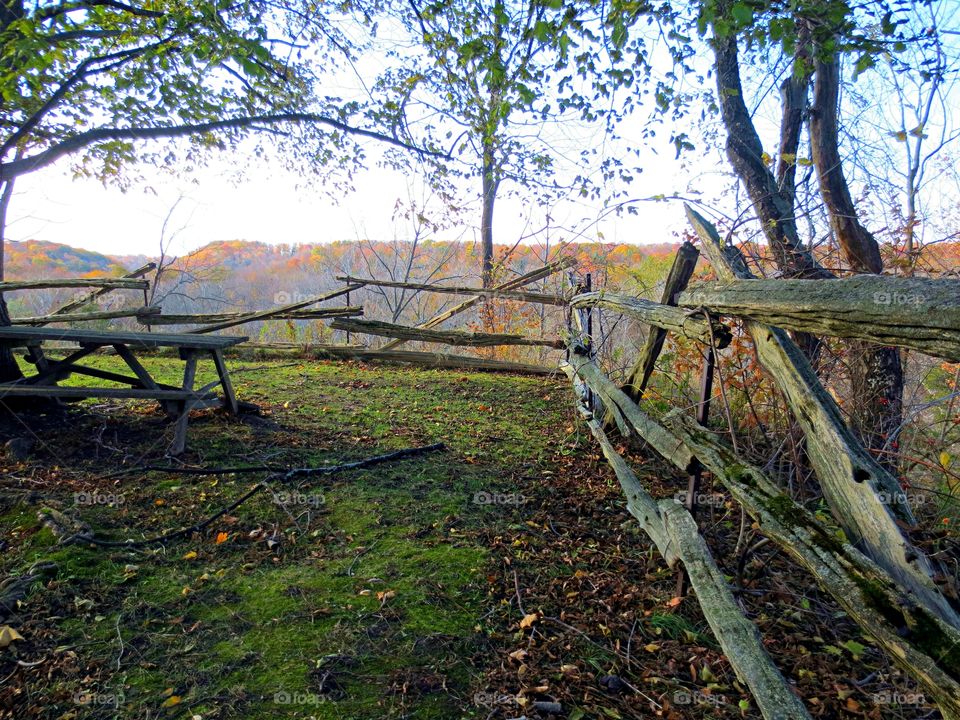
(269, 206)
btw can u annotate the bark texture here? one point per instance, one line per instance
(876, 373)
(866, 499)
(915, 638)
(687, 323)
(918, 313)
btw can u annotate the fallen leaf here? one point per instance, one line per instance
(222, 537)
(8, 635)
(529, 620)
(192, 555)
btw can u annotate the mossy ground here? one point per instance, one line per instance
(469, 583)
(363, 595)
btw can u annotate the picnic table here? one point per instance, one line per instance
(176, 401)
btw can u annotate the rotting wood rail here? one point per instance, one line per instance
(885, 584)
(428, 331)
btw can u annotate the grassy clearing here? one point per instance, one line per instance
(470, 583)
(362, 595)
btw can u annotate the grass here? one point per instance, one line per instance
(363, 596)
(469, 583)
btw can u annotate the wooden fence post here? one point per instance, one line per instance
(696, 473)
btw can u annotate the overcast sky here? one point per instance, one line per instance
(270, 205)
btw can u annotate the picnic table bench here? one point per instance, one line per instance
(177, 401)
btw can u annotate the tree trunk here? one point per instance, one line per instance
(9, 370)
(773, 198)
(490, 183)
(773, 205)
(876, 373)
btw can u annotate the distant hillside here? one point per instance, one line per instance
(38, 259)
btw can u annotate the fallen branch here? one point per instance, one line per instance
(282, 476)
(15, 589)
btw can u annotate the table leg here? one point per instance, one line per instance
(180, 431)
(229, 397)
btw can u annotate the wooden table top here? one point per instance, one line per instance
(37, 335)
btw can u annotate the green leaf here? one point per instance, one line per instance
(742, 13)
(855, 648)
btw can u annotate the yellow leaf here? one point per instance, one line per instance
(192, 555)
(945, 460)
(529, 620)
(805, 162)
(766, 158)
(171, 701)
(8, 635)
(384, 596)
(652, 647)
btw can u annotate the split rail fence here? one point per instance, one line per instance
(896, 594)
(345, 318)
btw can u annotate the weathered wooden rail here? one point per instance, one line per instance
(886, 584)
(428, 331)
